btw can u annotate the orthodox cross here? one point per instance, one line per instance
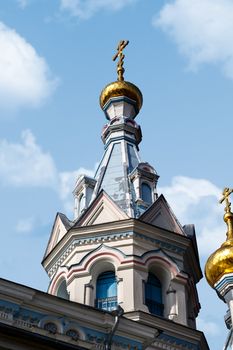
(226, 193)
(120, 70)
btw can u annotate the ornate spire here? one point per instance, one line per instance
(121, 174)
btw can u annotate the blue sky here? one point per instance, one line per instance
(56, 58)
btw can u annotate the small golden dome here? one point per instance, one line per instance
(220, 262)
(121, 88)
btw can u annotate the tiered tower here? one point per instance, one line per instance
(219, 268)
(125, 246)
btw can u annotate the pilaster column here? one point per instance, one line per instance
(88, 294)
(181, 303)
(171, 303)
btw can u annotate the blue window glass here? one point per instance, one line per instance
(153, 295)
(146, 193)
(62, 291)
(106, 291)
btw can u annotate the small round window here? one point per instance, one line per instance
(50, 327)
(73, 334)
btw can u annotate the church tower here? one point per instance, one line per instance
(125, 248)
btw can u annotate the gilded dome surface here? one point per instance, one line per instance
(221, 261)
(121, 88)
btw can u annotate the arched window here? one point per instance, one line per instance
(153, 295)
(106, 291)
(62, 291)
(146, 193)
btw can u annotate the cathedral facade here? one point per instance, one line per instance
(123, 272)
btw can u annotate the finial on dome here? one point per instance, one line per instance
(228, 217)
(120, 69)
(121, 91)
(226, 193)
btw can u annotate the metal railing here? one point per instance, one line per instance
(154, 307)
(108, 304)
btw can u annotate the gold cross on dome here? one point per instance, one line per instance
(226, 193)
(120, 69)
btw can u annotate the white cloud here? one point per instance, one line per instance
(85, 9)
(25, 164)
(196, 201)
(185, 192)
(208, 327)
(22, 3)
(202, 30)
(25, 78)
(25, 225)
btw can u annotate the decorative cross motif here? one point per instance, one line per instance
(226, 193)
(120, 70)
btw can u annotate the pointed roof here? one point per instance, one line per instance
(60, 226)
(103, 209)
(160, 214)
(120, 158)
(66, 222)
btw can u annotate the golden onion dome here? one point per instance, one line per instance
(121, 88)
(220, 262)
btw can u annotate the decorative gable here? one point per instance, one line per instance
(102, 210)
(61, 225)
(160, 214)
